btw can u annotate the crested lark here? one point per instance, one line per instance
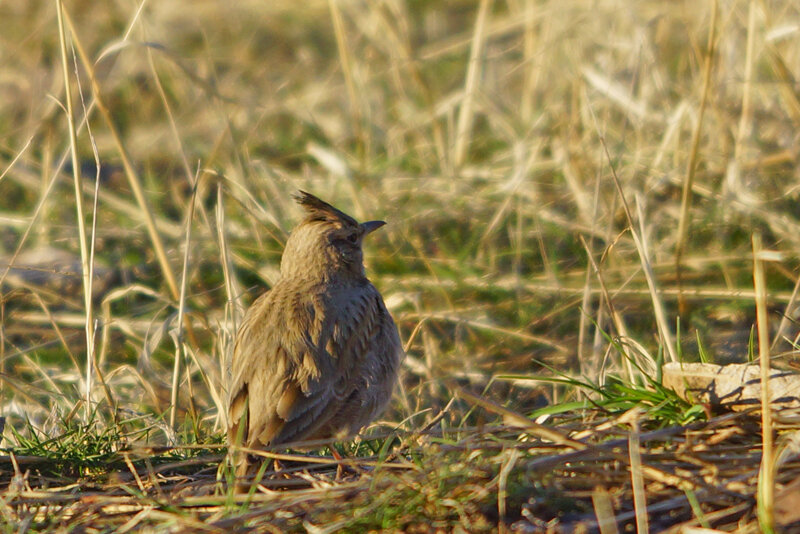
(317, 355)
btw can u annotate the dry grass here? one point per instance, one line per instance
(571, 193)
(700, 474)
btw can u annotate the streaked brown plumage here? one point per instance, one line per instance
(317, 355)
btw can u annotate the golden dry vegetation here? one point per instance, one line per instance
(574, 191)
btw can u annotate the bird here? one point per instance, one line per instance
(317, 355)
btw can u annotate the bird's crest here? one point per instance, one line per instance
(319, 210)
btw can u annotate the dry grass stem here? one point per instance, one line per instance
(130, 172)
(570, 196)
(691, 166)
(474, 69)
(86, 264)
(766, 475)
(637, 479)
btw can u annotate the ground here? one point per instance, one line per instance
(575, 193)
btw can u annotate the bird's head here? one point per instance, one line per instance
(327, 243)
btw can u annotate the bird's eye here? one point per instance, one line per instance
(353, 238)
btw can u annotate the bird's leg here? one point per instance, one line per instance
(345, 461)
(339, 466)
(242, 479)
(277, 467)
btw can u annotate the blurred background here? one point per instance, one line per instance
(570, 187)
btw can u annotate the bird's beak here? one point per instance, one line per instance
(370, 226)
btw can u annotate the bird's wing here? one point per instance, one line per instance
(286, 372)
